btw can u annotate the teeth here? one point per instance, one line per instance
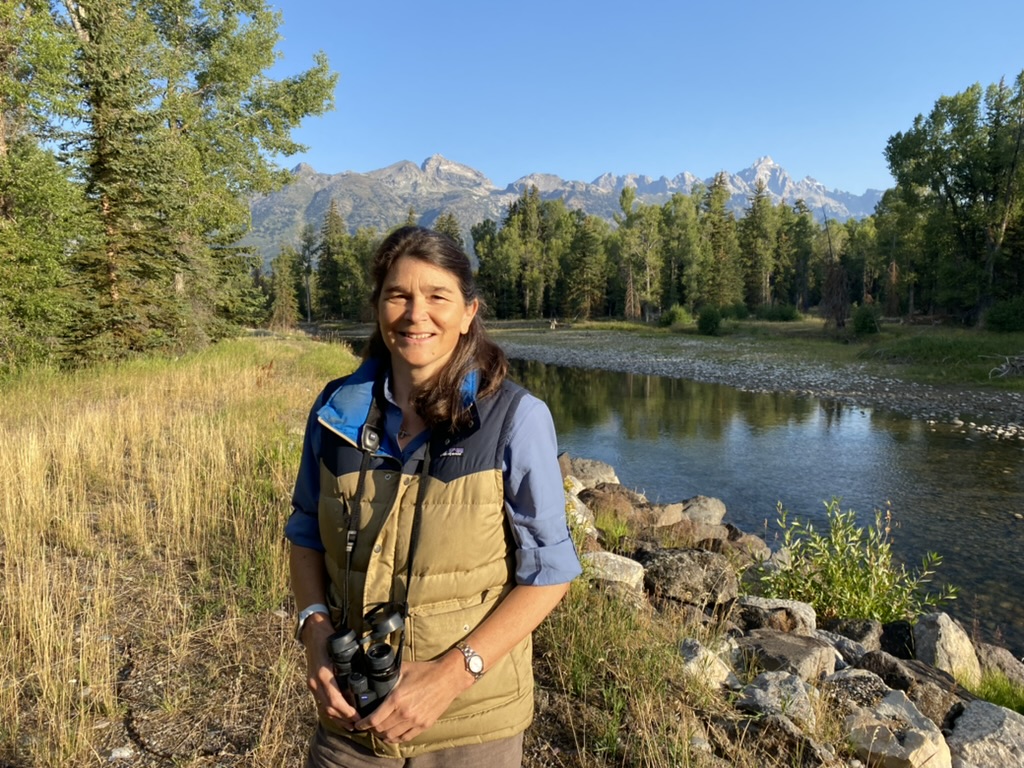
(418, 336)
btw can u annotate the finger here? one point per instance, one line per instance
(401, 733)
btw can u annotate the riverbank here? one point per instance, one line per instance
(756, 367)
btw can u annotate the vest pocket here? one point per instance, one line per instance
(432, 630)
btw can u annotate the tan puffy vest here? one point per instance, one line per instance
(463, 565)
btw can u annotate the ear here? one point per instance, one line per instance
(467, 319)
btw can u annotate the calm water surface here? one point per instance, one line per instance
(951, 493)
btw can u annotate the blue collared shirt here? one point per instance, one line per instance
(534, 494)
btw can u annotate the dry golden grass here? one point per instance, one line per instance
(145, 603)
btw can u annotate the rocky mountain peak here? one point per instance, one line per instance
(382, 198)
(441, 168)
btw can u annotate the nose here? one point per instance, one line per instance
(415, 308)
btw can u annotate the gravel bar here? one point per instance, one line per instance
(748, 367)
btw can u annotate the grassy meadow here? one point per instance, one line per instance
(145, 599)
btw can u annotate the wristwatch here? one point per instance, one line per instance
(474, 661)
(304, 615)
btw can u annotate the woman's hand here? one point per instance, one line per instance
(424, 692)
(320, 674)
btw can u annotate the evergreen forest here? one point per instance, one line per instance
(134, 134)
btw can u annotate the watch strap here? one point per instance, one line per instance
(470, 656)
(304, 615)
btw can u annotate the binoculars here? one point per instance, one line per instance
(367, 668)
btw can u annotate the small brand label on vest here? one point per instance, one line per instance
(452, 452)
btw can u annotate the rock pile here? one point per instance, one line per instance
(894, 685)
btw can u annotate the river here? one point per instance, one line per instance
(952, 493)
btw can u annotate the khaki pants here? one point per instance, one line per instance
(328, 750)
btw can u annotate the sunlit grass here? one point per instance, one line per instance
(141, 520)
(998, 689)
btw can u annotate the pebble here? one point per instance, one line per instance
(121, 753)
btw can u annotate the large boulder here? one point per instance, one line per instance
(935, 693)
(689, 576)
(807, 657)
(941, 642)
(898, 639)
(706, 666)
(865, 632)
(994, 659)
(613, 499)
(590, 472)
(622, 576)
(851, 651)
(704, 509)
(893, 734)
(780, 693)
(687, 533)
(771, 613)
(664, 515)
(987, 735)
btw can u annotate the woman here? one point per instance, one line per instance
(429, 490)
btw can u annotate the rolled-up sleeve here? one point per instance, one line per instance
(303, 527)
(535, 499)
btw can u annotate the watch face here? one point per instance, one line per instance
(476, 664)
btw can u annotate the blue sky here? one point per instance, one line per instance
(582, 88)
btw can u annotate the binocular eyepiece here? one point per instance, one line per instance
(367, 668)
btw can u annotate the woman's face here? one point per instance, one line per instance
(421, 314)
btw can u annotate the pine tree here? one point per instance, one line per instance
(355, 272)
(586, 267)
(448, 225)
(334, 248)
(180, 125)
(680, 221)
(284, 303)
(722, 283)
(757, 235)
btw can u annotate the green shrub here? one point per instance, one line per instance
(850, 571)
(1006, 316)
(737, 311)
(709, 320)
(866, 319)
(777, 313)
(675, 316)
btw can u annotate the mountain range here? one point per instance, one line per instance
(382, 198)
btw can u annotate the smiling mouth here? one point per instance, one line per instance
(417, 336)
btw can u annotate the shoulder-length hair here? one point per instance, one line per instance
(441, 400)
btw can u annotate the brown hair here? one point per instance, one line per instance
(441, 401)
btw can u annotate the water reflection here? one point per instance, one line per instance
(672, 439)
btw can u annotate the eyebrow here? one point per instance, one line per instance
(393, 288)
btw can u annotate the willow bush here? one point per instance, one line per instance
(850, 571)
